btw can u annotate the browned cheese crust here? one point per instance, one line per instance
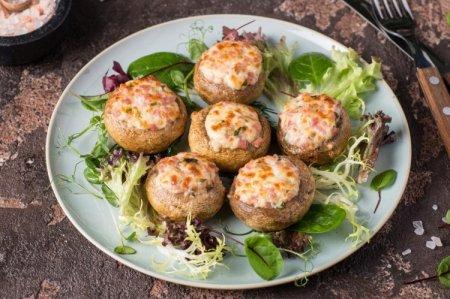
(273, 219)
(177, 207)
(143, 140)
(323, 154)
(229, 160)
(213, 93)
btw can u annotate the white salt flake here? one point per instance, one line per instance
(417, 224)
(431, 244)
(406, 252)
(389, 266)
(435, 207)
(436, 241)
(419, 231)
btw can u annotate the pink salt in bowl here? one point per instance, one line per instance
(28, 47)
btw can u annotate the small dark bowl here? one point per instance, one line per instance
(20, 49)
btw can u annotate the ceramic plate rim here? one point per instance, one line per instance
(200, 284)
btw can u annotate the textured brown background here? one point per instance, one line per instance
(41, 253)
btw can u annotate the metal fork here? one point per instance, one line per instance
(395, 18)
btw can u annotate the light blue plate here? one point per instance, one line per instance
(94, 217)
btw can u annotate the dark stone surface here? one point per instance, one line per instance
(42, 254)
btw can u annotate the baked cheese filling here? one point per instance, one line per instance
(267, 182)
(187, 173)
(145, 104)
(308, 121)
(233, 63)
(233, 126)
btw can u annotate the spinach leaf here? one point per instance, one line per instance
(443, 272)
(110, 196)
(196, 48)
(309, 67)
(94, 103)
(123, 249)
(321, 219)
(383, 180)
(160, 65)
(264, 257)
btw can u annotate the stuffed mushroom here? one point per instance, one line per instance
(185, 185)
(230, 134)
(144, 115)
(230, 71)
(313, 128)
(272, 192)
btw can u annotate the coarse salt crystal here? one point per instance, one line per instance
(419, 231)
(435, 207)
(417, 224)
(436, 241)
(431, 244)
(406, 252)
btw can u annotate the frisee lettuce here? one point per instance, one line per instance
(347, 80)
(195, 261)
(335, 184)
(124, 180)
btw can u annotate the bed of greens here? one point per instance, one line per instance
(194, 248)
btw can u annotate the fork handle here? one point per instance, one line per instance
(438, 100)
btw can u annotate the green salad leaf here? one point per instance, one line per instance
(443, 272)
(276, 59)
(309, 67)
(347, 80)
(124, 249)
(160, 65)
(110, 196)
(196, 48)
(447, 217)
(177, 78)
(320, 219)
(92, 175)
(264, 257)
(383, 180)
(131, 237)
(94, 103)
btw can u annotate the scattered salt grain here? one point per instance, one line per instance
(431, 244)
(29, 161)
(435, 207)
(406, 252)
(389, 266)
(436, 241)
(419, 231)
(417, 224)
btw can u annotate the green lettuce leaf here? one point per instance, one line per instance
(348, 80)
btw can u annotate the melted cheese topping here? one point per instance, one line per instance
(187, 173)
(233, 63)
(145, 104)
(267, 182)
(233, 126)
(309, 121)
